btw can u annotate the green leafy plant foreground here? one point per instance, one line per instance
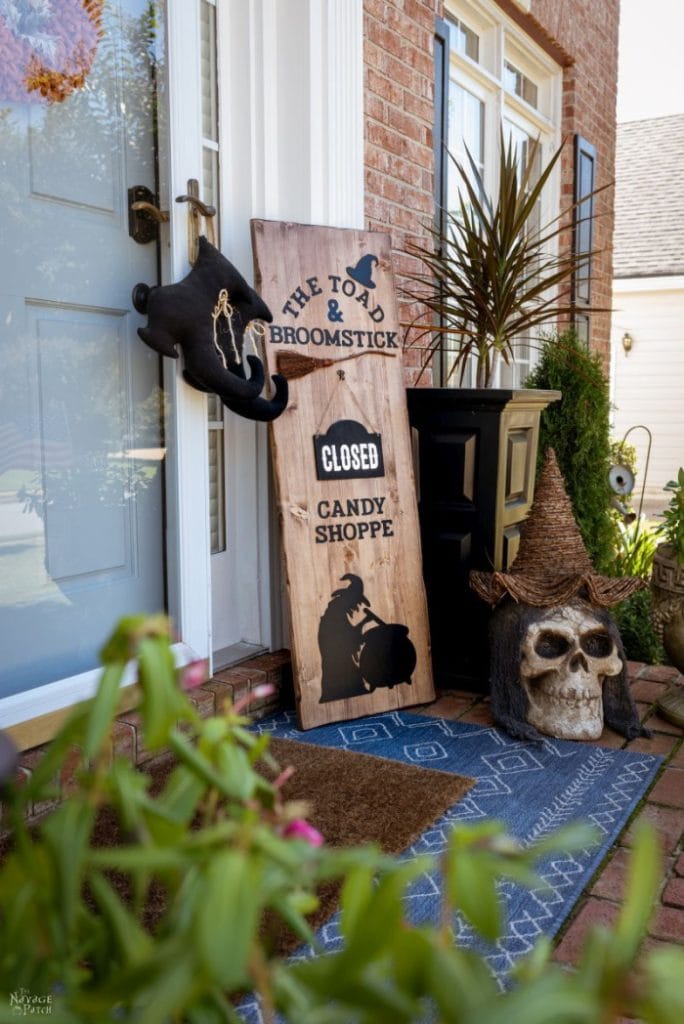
(74, 945)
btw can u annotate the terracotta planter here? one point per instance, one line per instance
(477, 453)
(667, 587)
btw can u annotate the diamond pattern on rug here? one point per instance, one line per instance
(533, 789)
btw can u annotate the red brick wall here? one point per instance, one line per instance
(588, 31)
(399, 98)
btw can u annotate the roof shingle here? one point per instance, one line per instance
(649, 198)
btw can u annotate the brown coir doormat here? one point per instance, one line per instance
(357, 798)
(354, 799)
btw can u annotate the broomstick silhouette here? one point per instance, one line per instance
(293, 365)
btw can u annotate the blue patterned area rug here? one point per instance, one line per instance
(532, 789)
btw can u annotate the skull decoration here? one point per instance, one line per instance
(565, 658)
(559, 671)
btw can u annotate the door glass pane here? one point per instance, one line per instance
(466, 136)
(217, 484)
(525, 151)
(209, 75)
(81, 448)
(210, 189)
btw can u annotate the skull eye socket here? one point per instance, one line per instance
(551, 645)
(597, 644)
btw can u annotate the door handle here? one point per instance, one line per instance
(197, 211)
(144, 216)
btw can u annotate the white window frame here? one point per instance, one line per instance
(502, 39)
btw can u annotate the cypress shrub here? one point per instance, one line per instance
(578, 429)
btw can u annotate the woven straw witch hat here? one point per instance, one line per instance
(552, 565)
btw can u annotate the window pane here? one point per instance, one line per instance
(466, 134)
(525, 150)
(516, 82)
(464, 40)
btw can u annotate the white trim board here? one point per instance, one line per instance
(44, 700)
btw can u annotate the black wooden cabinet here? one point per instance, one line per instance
(476, 460)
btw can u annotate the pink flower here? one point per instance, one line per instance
(301, 829)
(194, 674)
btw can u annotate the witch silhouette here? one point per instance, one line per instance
(359, 651)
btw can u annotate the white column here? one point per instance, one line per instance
(336, 112)
(291, 109)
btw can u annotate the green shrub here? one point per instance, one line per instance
(640, 640)
(69, 938)
(578, 429)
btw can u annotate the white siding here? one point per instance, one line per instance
(648, 382)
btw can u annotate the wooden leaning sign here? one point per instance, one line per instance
(344, 472)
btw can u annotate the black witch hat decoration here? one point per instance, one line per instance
(207, 314)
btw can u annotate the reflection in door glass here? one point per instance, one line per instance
(81, 448)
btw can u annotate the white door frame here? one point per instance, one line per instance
(188, 541)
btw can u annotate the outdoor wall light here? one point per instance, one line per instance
(627, 342)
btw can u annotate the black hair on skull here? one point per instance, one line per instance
(619, 709)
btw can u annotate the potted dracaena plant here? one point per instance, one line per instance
(492, 275)
(667, 588)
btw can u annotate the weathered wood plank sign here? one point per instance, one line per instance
(344, 472)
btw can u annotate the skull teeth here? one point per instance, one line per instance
(578, 700)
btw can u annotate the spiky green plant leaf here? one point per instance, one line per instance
(494, 275)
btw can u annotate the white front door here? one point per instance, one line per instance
(81, 447)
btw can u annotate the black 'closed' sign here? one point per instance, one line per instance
(347, 451)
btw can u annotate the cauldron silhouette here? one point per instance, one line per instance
(387, 656)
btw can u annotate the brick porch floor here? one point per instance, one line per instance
(663, 806)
